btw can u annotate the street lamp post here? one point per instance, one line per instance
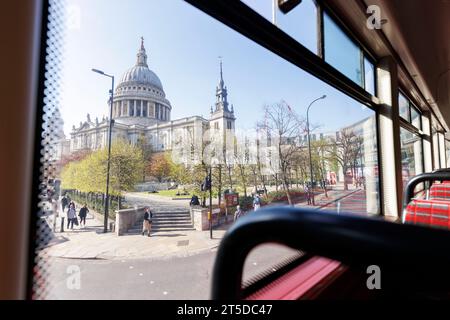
(105, 219)
(309, 146)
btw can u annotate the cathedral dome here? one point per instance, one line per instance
(139, 98)
(140, 74)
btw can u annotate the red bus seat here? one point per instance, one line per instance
(299, 281)
(440, 191)
(435, 213)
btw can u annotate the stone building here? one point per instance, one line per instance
(141, 109)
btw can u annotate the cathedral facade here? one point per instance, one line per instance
(141, 110)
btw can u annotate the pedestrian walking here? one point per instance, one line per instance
(239, 213)
(256, 202)
(308, 194)
(64, 202)
(147, 224)
(82, 214)
(71, 215)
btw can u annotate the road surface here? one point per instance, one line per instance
(175, 278)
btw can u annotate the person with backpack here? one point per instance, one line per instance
(147, 224)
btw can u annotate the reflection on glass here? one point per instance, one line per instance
(341, 52)
(447, 152)
(436, 162)
(412, 158)
(369, 76)
(403, 105)
(415, 118)
(350, 161)
(442, 149)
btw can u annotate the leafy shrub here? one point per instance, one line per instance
(280, 196)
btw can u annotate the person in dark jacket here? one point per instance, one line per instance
(194, 201)
(64, 202)
(82, 214)
(147, 224)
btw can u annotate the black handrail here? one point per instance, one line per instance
(414, 254)
(437, 175)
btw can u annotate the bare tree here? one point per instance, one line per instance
(147, 151)
(320, 154)
(241, 161)
(345, 149)
(284, 128)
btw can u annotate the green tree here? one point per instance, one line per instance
(160, 166)
(147, 152)
(89, 174)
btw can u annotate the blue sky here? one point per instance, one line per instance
(183, 45)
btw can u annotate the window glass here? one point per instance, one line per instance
(341, 52)
(369, 76)
(412, 155)
(172, 160)
(300, 23)
(437, 160)
(447, 152)
(415, 118)
(442, 153)
(403, 106)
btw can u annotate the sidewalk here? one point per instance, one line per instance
(92, 243)
(321, 202)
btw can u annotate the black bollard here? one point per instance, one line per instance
(62, 224)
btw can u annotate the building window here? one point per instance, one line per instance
(216, 125)
(229, 127)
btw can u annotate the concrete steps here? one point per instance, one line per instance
(164, 221)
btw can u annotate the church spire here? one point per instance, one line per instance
(221, 92)
(221, 83)
(142, 55)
